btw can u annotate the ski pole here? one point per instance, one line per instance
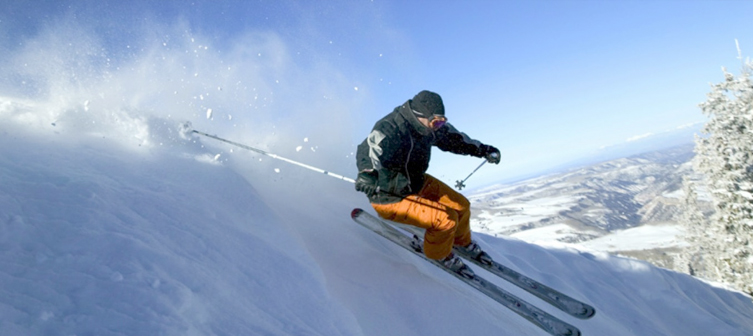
(275, 156)
(461, 184)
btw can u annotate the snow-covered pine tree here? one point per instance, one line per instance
(700, 242)
(722, 247)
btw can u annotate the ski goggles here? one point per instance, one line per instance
(437, 121)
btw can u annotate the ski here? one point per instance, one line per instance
(552, 296)
(535, 315)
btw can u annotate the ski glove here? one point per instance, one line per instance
(490, 153)
(367, 182)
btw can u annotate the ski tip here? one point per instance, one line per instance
(356, 212)
(586, 312)
(590, 312)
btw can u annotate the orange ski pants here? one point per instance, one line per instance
(443, 212)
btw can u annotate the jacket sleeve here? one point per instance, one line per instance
(378, 150)
(449, 139)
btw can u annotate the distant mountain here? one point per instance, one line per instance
(646, 143)
(593, 204)
(637, 145)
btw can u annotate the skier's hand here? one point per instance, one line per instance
(490, 153)
(367, 182)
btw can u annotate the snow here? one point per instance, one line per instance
(677, 194)
(521, 210)
(549, 233)
(111, 236)
(644, 237)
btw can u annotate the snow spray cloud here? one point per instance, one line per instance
(70, 82)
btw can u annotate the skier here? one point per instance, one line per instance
(392, 163)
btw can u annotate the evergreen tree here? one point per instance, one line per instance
(722, 245)
(700, 242)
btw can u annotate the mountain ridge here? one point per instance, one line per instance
(592, 202)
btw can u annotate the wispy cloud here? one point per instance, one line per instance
(638, 137)
(690, 125)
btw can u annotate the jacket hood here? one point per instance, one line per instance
(418, 127)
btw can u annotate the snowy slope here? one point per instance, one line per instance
(98, 241)
(101, 237)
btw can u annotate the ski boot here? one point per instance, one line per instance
(455, 264)
(474, 251)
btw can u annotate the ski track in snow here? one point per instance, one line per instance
(98, 239)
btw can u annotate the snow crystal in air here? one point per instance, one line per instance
(46, 315)
(116, 277)
(208, 158)
(209, 113)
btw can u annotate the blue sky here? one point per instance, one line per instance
(546, 82)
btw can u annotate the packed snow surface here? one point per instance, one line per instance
(109, 235)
